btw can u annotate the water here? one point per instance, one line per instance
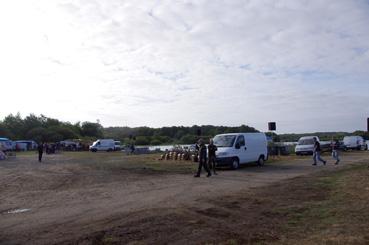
(164, 147)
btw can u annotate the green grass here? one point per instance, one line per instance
(337, 206)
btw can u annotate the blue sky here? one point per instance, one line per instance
(304, 64)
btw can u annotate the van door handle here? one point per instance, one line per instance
(245, 148)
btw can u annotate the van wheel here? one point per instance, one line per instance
(261, 161)
(235, 163)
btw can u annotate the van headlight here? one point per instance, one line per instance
(222, 154)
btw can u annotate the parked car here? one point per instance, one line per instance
(103, 145)
(305, 145)
(240, 148)
(117, 146)
(354, 143)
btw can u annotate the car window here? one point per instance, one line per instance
(241, 140)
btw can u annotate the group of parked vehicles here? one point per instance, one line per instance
(305, 145)
(19, 145)
(234, 149)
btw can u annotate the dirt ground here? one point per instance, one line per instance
(108, 198)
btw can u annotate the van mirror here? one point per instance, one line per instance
(237, 146)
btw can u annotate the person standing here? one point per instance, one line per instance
(317, 151)
(40, 150)
(201, 147)
(211, 155)
(335, 155)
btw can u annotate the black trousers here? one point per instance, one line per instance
(40, 156)
(203, 163)
(212, 162)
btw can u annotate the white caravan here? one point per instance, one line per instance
(240, 148)
(103, 145)
(354, 142)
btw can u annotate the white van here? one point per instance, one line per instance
(103, 145)
(354, 142)
(240, 148)
(305, 145)
(117, 145)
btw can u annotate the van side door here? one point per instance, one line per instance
(241, 149)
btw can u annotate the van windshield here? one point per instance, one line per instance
(224, 140)
(306, 142)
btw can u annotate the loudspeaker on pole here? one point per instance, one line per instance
(272, 126)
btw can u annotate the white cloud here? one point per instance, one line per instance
(301, 63)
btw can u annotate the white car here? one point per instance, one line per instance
(103, 145)
(305, 145)
(239, 148)
(354, 143)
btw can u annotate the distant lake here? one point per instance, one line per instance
(162, 147)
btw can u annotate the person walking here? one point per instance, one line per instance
(201, 147)
(40, 150)
(335, 155)
(316, 153)
(211, 155)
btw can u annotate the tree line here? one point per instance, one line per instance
(45, 129)
(170, 135)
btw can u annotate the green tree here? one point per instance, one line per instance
(90, 129)
(142, 140)
(15, 125)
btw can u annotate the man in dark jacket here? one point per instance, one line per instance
(40, 150)
(211, 155)
(201, 147)
(317, 151)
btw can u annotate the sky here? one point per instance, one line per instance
(303, 64)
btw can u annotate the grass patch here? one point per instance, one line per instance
(340, 209)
